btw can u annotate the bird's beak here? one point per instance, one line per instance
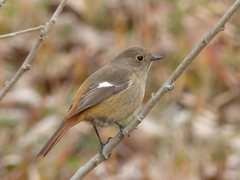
(154, 58)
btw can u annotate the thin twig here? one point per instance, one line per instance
(2, 2)
(21, 32)
(169, 85)
(26, 65)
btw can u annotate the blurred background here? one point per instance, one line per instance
(193, 131)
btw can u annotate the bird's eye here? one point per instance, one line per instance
(140, 58)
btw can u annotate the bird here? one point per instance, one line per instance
(108, 96)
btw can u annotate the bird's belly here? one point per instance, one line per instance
(116, 108)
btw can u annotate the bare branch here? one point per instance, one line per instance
(21, 32)
(26, 65)
(2, 2)
(169, 85)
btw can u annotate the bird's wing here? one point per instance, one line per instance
(96, 94)
(98, 91)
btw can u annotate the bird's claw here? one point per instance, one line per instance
(102, 146)
(121, 127)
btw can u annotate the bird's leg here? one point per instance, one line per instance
(100, 140)
(121, 127)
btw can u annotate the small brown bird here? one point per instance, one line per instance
(109, 95)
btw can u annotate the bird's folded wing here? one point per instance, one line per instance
(96, 94)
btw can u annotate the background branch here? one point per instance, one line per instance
(98, 158)
(26, 65)
(2, 2)
(21, 32)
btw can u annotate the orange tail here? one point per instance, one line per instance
(55, 138)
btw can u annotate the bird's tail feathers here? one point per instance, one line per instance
(55, 138)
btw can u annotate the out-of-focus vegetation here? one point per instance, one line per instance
(192, 133)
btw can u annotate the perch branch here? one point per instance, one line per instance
(169, 85)
(26, 65)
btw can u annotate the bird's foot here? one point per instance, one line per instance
(102, 146)
(121, 127)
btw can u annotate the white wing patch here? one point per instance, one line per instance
(104, 84)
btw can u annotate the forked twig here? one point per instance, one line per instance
(21, 32)
(26, 65)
